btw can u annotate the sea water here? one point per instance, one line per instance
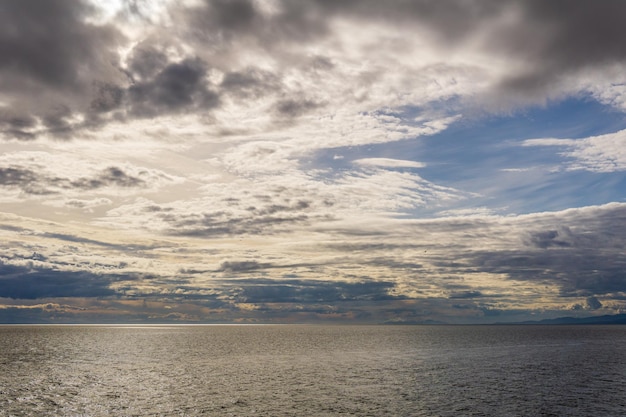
(312, 370)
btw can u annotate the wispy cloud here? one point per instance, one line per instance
(603, 153)
(389, 163)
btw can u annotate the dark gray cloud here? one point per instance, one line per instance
(22, 282)
(79, 239)
(234, 17)
(16, 123)
(262, 290)
(13, 228)
(178, 86)
(552, 39)
(206, 225)
(247, 268)
(25, 179)
(145, 62)
(112, 176)
(574, 35)
(50, 58)
(241, 266)
(107, 97)
(222, 21)
(465, 295)
(584, 255)
(270, 216)
(592, 303)
(390, 262)
(40, 183)
(57, 64)
(251, 82)
(51, 43)
(295, 107)
(551, 238)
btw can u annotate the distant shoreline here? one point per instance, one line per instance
(594, 320)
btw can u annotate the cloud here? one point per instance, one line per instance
(111, 176)
(549, 42)
(521, 53)
(295, 107)
(581, 256)
(575, 37)
(179, 86)
(388, 163)
(551, 238)
(543, 259)
(304, 292)
(23, 178)
(227, 59)
(79, 239)
(477, 211)
(51, 57)
(603, 153)
(241, 266)
(86, 205)
(252, 158)
(461, 268)
(33, 283)
(34, 174)
(31, 182)
(276, 204)
(52, 60)
(592, 303)
(465, 295)
(250, 82)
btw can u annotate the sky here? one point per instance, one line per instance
(277, 161)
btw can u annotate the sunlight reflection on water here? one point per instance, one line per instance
(312, 370)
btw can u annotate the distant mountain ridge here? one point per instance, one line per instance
(607, 319)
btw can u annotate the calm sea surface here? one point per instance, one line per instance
(313, 370)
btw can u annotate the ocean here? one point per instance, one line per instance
(312, 370)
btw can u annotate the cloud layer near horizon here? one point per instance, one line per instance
(276, 160)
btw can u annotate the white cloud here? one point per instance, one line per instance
(604, 153)
(389, 163)
(289, 201)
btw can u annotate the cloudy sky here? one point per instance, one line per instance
(301, 161)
